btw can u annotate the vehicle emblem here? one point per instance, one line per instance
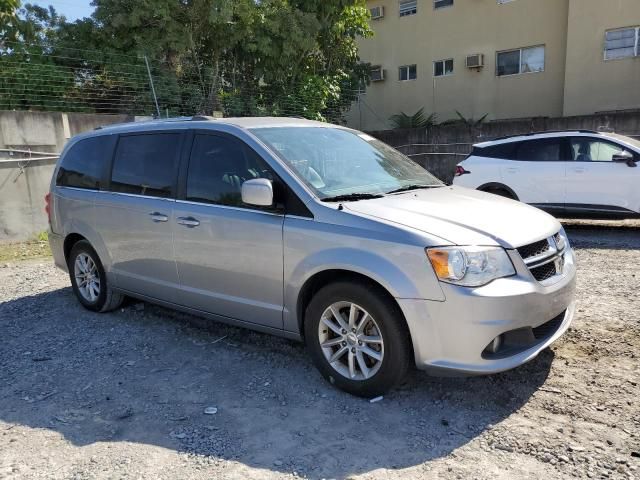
(559, 262)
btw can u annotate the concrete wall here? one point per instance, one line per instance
(591, 83)
(24, 182)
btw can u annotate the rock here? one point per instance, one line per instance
(278, 463)
(376, 399)
(210, 411)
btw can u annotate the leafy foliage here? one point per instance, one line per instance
(294, 57)
(417, 120)
(471, 122)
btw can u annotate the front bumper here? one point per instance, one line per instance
(449, 337)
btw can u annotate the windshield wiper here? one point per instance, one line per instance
(406, 188)
(349, 197)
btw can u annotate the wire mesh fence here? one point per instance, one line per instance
(96, 82)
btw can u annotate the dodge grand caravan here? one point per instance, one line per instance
(314, 232)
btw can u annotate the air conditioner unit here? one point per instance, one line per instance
(376, 12)
(475, 61)
(377, 74)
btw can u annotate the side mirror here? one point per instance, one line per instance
(625, 157)
(258, 192)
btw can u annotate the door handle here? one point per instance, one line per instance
(513, 170)
(188, 221)
(158, 217)
(579, 169)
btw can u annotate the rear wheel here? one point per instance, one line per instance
(89, 280)
(357, 338)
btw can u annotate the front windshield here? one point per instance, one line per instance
(335, 162)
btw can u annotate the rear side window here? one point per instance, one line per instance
(83, 165)
(505, 151)
(544, 150)
(146, 164)
(218, 167)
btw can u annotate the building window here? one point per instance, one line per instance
(408, 72)
(408, 7)
(622, 43)
(443, 67)
(442, 3)
(522, 60)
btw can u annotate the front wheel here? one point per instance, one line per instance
(357, 338)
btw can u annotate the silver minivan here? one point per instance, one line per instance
(314, 232)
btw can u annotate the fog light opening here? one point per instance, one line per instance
(495, 344)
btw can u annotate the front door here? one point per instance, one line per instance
(596, 183)
(133, 214)
(229, 255)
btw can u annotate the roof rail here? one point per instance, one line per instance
(194, 118)
(546, 131)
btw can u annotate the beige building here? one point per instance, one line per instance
(507, 58)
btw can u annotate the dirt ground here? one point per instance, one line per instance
(123, 395)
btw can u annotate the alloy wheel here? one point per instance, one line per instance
(351, 341)
(87, 277)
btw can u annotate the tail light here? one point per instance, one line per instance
(47, 206)
(460, 170)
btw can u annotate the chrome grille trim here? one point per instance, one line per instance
(554, 253)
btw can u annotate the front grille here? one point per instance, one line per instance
(534, 249)
(547, 329)
(544, 272)
(544, 258)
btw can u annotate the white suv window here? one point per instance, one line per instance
(543, 150)
(590, 150)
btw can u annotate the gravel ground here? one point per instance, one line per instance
(123, 395)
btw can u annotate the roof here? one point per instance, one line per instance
(528, 136)
(242, 122)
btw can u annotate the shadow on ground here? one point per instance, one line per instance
(613, 235)
(146, 376)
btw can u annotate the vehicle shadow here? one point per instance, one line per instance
(603, 235)
(144, 374)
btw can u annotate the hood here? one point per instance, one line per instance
(462, 216)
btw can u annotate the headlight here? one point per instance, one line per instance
(470, 266)
(562, 241)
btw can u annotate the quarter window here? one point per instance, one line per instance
(85, 162)
(522, 60)
(442, 3)
(443, 67)
(218, 167)
(545, 150)
(408, 7)
(146, 164)
(408, 72)
(589, 150)
(622, 43)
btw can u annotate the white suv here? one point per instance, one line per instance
(572, 173)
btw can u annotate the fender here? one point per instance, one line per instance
(379, 269)
(497, 186)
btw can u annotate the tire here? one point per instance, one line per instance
(97, 295)
(384, 321)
